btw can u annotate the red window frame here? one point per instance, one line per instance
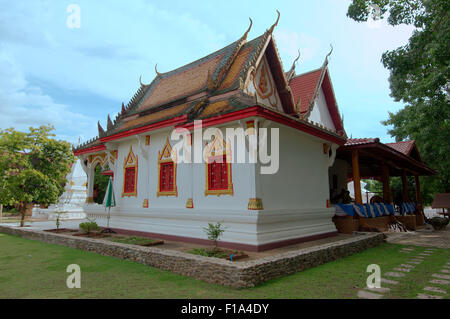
(217, 173)
(130, 176)
(166, 177)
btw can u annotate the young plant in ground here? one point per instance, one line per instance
(88, 227)
(59, 218)
(214, 232)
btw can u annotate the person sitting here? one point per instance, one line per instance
(343, 197)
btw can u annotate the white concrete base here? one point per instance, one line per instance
(248, 227)
(71, 212)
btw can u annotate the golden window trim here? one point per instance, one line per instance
(218, 147)
(131, 161)
(167, 155)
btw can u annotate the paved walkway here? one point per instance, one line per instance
(436, 287)
(424, 237)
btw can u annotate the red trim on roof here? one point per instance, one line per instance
(276, 68)
(150, 127)
(270, 115)
(92, 149)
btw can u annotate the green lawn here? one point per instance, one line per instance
(31, 269)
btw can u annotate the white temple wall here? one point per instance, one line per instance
(320, 113)
(302, 179)
(190, 180)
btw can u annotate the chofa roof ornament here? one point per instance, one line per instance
(276, 23)
(156, 70)
(295, 61)
(248, 30)
(329, 53)
(140, 81)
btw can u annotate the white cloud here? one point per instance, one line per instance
(289, 43)
(23, 105)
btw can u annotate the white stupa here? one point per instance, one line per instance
(72, 200)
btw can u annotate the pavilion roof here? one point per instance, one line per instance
(441, 201)
(372, 153)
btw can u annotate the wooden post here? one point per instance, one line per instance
(405, 188)
(419, 200)
(356, 177)
(386, 186)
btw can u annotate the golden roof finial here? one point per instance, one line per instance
(295, 61)
(276, 22)
(248, 30)
(156, 70)
(329, 53)
(140, 81)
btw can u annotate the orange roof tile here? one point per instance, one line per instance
(180, 84)
(303, 87)
(236, 68)
(404, 147)
(147, 119)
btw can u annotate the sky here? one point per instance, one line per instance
(51, 73)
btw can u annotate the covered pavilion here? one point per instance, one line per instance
(369, 158)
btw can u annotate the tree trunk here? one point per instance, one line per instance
(22, 214)
(1, 213)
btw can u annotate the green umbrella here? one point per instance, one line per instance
(109, 201)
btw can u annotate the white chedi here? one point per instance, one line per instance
(72, 200)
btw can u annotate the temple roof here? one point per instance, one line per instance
(207, 87)
(303, 87)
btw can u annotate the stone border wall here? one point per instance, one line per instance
(214, 270)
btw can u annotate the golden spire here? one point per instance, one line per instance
(140, 81)
(156, 70)
(329, 53)
(248, 30)
(276, 22)
(295, 61)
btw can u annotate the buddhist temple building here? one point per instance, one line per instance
(245, 87)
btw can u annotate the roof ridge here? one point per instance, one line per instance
(305, 73)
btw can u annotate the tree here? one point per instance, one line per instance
(419, 77)
(33, 167)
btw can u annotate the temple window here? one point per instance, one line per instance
(130, 166)
(218, 172)
(218, 167)
(167, 171)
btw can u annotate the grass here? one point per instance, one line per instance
(134, 240)
(208, 252)
(32, 269)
